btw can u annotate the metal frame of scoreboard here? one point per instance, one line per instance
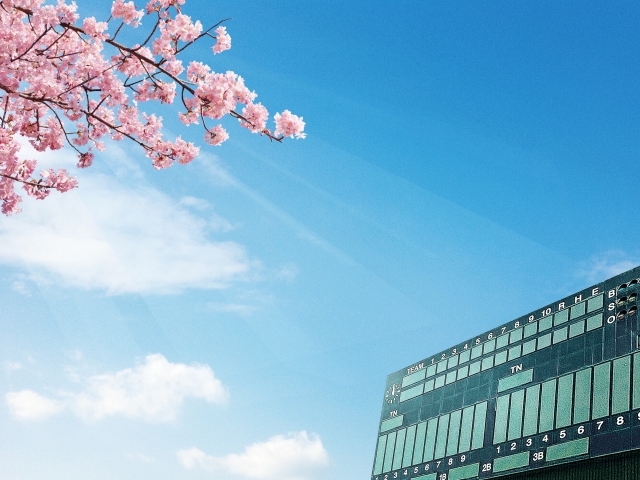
(558, 385)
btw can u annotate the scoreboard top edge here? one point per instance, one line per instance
(620, 281)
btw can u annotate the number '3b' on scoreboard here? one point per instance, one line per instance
(558, 385)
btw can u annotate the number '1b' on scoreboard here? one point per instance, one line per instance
(558, 385)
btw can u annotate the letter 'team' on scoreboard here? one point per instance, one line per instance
(558, 385)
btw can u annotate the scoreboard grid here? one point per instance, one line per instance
(561, 384)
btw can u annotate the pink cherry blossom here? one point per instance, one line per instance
(66, 81)
(223, 40)
(289, 125)
(255, 117)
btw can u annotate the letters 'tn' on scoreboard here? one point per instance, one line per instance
(558, 385)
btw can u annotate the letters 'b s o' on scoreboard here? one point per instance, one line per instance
(558, 385)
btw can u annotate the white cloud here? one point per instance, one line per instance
(109, 237)
(29, 405)
(296, 456)
(606, 265)
(152, 391)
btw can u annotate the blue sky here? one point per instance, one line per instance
(466, 163)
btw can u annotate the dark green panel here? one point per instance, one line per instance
(464, 356)
(531, 329)
(399, 450)
(582, 405)
(595, 303)
(564, 401)
(621, 390)
(515, 352)
(529, 347)
(578, 310)
(454, 432)
(391, 423)
(430, 440)
(412, 392)
(463, 473)
(561, 317)
(453, 362)
(516, 408)
(430, 476)
(547, 405)
(441, 439)
(418, 449)
(636, 381)
(516, 380)
(428, 385)
(502, 416)
(544, 341)
(465, 429)
(414, 377)
(594, 322)
(568, 450)
(487, 363)
(511, 462)
(531, 410)
(451, 377)
(516, 335)
(382, 444)
(560, 335)
(576, 329)
(500, 358)
(388, 455)
(545, 323)
(476, 352)
(601, 390)
(479, 419)
(408, 447)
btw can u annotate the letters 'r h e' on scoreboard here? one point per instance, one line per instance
(558, 385)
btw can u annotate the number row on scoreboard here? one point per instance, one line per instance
(528, 347)
(501, 337)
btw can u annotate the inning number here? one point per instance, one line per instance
(580, 429)
(620, 420)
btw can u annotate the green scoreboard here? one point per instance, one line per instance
(560, 384)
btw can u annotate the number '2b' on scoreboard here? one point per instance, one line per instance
(558, 385)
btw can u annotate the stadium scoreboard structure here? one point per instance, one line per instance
(558, 385)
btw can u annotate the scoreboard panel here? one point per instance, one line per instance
(558, 385)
